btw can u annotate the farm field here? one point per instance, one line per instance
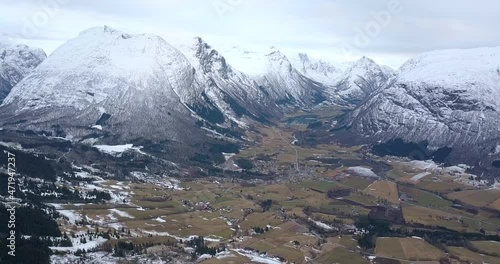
(487, 247)
(385, 190)
(465, 254)
(358, 183)
(431, 217)
(424, 198)
(341, 255)
(413, 249)
(479, 198)
(291, 214)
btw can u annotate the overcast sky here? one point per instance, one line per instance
(330, 29)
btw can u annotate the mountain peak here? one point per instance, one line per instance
(106, 31)
(16, 62)
(365, 61)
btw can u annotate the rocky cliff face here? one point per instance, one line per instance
(16, 62)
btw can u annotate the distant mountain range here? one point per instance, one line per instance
(449, 98)
(131, 86)
(109, 86)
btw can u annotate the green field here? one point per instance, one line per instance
(425, 198)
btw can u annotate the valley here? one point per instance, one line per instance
(139, 148)
(301, 197)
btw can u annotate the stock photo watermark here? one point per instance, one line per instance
(365, 35)
(223, 7)
(48, 9)
(11, 209)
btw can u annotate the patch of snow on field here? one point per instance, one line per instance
(155, 233)
(121, 213)
(56, 206)
(224, 254)
(419, 176)
(204, 257)
(11, 145)
(113, 150)
(86, 175)
(71, 215)
(321, 225)
(496, 185)
(87, 246)
(159, 220)
(256, 257)
(364, 172)
(227, 156)
(424, 165)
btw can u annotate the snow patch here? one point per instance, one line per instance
(113, 149)
(121, 213)
(419, 176)
(364, 172)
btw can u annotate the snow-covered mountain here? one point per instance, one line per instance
(449, 98)
(361, 79)
(233, 92)
(325, 72)
(277, 77)
(16, 61)
(349, 82)
(132, 86)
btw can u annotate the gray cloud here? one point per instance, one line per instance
(320, 27)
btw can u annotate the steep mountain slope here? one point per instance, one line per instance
(126, 87)
(449, 98)
(16, 61)
(277, 77)
(233, 92)
(348, 82)
(361, 79)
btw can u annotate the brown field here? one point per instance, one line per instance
(277, 242)
(478, 198)
(346, 241)
(473, 257)
(431, 217)
(495, 205)
(341, 255)
(234, 259)
(357, 183)
(385, 190)
(362, 198)
(258, 219)
(184, 225)
(487, 247)
(412, 249)
(442, 187)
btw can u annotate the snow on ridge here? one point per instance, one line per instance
(250, 62)
(114, 149)
(477, 70)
